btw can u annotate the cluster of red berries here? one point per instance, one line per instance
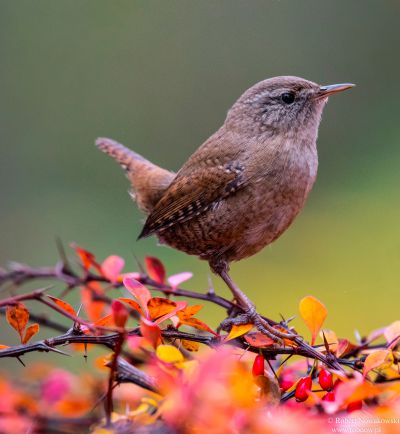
(304, 385)
(325, 380)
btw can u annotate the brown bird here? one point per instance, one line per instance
(243, 187)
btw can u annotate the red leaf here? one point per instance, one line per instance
(258, 340)
(140, 292)
(120, 313)
(150, 331)
(87, 258)
(112, 267)
(155, 269)
(66, 307)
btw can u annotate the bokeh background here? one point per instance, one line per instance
(159, 76)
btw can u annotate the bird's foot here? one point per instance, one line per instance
(250, 316)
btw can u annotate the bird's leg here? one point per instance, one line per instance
(250, 315)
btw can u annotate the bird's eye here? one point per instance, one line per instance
(288, 97)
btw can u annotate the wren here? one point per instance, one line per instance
(243, 187)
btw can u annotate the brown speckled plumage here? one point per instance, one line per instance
(244, 186)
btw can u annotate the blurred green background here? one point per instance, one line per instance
(159, 76)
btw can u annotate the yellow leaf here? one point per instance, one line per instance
(169, 354)
(66, 307)
(313, 313)
(30, 331)
(381, 359)
(17, 316)
(238, 330)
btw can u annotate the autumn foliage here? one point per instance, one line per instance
(157, 366)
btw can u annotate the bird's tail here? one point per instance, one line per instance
(148, 181)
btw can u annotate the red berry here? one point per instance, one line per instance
(353, 406)
(286, 382)
(325, 379)
(302, 389)
(329, 396)
(258, 366)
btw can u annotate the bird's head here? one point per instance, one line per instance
(283, 105)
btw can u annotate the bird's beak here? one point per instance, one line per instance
(330, 89)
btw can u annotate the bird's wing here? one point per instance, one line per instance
(195, 189)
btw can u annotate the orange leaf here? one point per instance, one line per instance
(30, 332)
(180, 305)
(150, 331)
(258, 340)
(160, 306)
(66, 307)
(313, 313)
(112, 267)
(93, 308)
(17, 316)
(106, 321)
(191, 346)
(378, 359)
(73, 406)
(155, 269)
(140, 292)
(3, 347)
(189, 312)
(238, 330)
(197, 324)
(132, 304)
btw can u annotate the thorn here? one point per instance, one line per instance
(65, 292)
(20, 361)
(55, 350)
(325, 342)
(79, 310)
(62, 254)
(285, 360)
(41, 291)
(272, 369)
(138, 263)
(211, 290)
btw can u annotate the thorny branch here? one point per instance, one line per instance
(18, 274)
